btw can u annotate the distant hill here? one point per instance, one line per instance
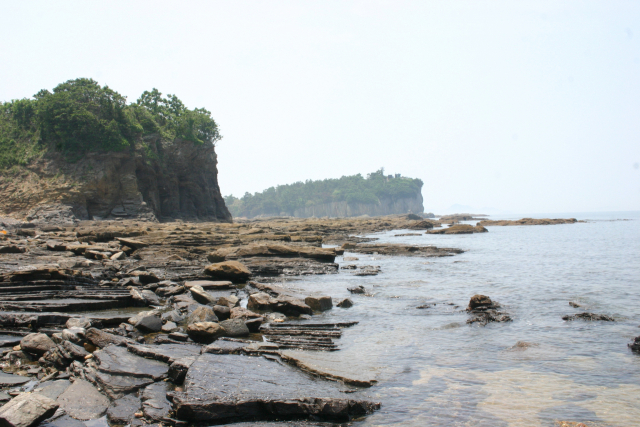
(355, 195)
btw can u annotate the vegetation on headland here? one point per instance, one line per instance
(80, 116)
(285, 199)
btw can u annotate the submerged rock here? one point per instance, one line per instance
(483, 310)
(635, 345)
(345, 303)
(588, 316)
(216, 390)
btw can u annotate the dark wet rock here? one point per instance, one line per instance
(178, 336)
(103, 339)
(635, 345)
(522, 345)
(7, 380)
(228, 270)
(204, 332)
(575, 304)
(234, 328)
(483, 310)
(202, 296)
(273, 267)
(36, 343)
(167, 353)
(254, 324)
(202, 314)
(589, 317)
(145, 277)
(53, 389)
(117, 386)
(75, 351)
(349, 267)
(149, 324)
(460, 229)
(154, 401)
(357, 290)
(123, 410)
(345, 303)
(83, 401)
(322, 303)
(115, 360)
(480, 302)
(209, 284)
(11, 249)
(26, 410)
(222, 312)
(216, 390)
(179, 368)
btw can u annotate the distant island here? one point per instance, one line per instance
(354, 195)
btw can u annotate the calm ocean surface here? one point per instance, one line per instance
(435, 370)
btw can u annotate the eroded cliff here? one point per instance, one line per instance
(155, 180)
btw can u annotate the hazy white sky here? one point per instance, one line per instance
(521, 106)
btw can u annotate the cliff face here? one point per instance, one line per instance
(385, 206)
(156, 181)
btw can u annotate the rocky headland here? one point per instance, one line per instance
(528, 221)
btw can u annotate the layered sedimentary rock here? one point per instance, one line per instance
(384, 206)
(157, 180)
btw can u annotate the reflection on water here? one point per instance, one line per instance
(434, 369)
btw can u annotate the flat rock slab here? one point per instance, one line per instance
(154, 401)
(167, 353)
(231, 387)
(331, 366)
(119, 361)
(83, 401)
(122, 410)
(10, 380)
(9, 340)
(53, 389)
(117, 386)
(209, 284)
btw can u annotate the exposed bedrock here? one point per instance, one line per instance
(167, 180)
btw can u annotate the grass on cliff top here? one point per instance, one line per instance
(80, 116)
(352, 189)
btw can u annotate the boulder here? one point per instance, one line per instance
(228, 270)
(323, 303)
(345, 303)
(26, 410)
(204, 332)
(202, 314)
(202, 296)
(234, 328)
(150, 297)
(216, 256)
(357, 290)
(37, 344)
(149, 324)
(243, 313)
(230, 301)
(222, 312)
(260, 301)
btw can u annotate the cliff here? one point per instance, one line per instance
(156, 180)
(385, 206)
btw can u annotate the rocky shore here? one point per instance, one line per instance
(528, 221)
(134, 323)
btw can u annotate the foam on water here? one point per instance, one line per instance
(434, 369)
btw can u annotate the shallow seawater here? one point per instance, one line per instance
(434, 369)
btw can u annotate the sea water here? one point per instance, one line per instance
(434, 369)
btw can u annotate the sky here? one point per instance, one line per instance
(527, 106)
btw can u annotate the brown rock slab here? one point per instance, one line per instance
(228, 270)
(26, 410)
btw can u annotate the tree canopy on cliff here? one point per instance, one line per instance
(80, 116)
(285, 199)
